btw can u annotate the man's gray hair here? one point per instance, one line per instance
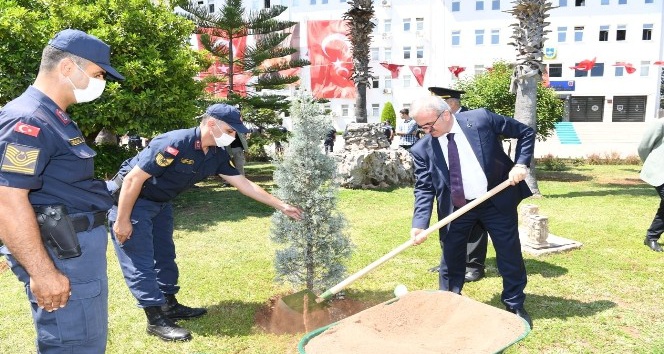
(51, 57)
(428, 104)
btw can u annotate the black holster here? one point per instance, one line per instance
(57, 230)
(117, 179)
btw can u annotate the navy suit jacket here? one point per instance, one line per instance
(484, 131)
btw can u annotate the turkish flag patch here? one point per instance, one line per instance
(173, 151)
(27, 129)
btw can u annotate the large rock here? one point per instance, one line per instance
(367, 160)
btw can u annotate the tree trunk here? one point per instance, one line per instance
(525, 111)
(361, 103)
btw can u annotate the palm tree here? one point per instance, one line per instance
(529, 34)
(360, 25)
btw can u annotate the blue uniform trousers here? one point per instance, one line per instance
(81, 326)
(504, 232)
(147, 258)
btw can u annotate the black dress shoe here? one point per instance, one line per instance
(521, 312)
(176, 311)
(474, 275)
(163, 327)
(653, 245)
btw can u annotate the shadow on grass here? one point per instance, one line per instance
(227, 318)
(545, 306)
(533, 266)
(613, 189)
(561, 176)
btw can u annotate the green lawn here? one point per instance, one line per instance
(603, 298)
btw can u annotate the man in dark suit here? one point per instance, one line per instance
(478, 238)
(475, 145)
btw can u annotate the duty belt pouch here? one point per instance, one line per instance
(57, 230)
(117, 180)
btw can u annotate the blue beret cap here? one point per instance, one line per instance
(87, 47)
(228, 114)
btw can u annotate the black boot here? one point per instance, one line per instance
(176, 311)
(163, 327)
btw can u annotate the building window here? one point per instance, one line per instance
(406, 24)
(622, 2)
(374, 82)
(580, 73)
(479, 69)
(312, 2)
(580, 3)
(388, 54)
(495, 36)
(420, 52)
(456, 38)
(619, 71)
(603, 33)
(629, 108)
(645, 68)
(597, 70)
(562, 3)
(266, 4)
(344, 110)
(375, 107)
(649, 2)
(323, 1)
(479, 37)
(562, 34)
(495, 4)
(578, 34)
(296, 3)
(621, 33)
(555, 70)
(647, 32)
(387, 26)
(406, 52)
(388, 82)
(456, 6)
(419, 24)
(406, 81)
(374, 53)
(479, 5)
(605, 2)
(210, 8)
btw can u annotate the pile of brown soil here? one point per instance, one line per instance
(422, 322)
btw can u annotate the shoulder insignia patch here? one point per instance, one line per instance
(64, 118)
(76, 141)
(27, 129)
(173, 151)
(20, 159)
(162, 161)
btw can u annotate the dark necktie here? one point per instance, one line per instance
(456, 183)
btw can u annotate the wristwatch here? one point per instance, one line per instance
(522, 166)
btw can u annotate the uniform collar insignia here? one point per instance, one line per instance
(64, 118)
(197, 145)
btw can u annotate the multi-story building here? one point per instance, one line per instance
(606, 106)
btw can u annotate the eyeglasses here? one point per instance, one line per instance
(427, 126)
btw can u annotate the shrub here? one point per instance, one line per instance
(551, 163)
(109, 158)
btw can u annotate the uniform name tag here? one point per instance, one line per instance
(187, 161)
(20, 159)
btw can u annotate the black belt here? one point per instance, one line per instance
(81, 222)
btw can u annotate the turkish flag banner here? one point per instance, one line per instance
(220, 89)
(419, 71)
(393, 68)
(331, 59)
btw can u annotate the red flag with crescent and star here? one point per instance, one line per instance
(331, 59)
(628, 66)
(27, 129)
(220, 89)
(456, 70)
(418, 71)
(584, 65)
(393, 68)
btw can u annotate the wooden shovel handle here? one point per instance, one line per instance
(448, 219)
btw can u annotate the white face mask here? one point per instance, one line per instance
(93, 91)
(224, 140)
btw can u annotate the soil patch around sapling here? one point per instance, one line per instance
(277, 318)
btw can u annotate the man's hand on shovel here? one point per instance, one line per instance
(417, 236)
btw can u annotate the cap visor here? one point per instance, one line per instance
(240, 128)
(112, 72)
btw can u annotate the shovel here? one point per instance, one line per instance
(295, 301)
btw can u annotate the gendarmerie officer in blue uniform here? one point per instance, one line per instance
(142, 222)
(47, 187)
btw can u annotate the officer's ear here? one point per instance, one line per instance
(67, 66)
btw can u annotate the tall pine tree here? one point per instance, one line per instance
(313, 248)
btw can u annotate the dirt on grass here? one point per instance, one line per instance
(3, 265)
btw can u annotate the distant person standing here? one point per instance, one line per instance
(388, 130)
(330, 137)
(651, 152)
(406, 130)
(236, 151)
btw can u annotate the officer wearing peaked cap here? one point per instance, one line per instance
(479, 237)
(53, 211)
(141, 223)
